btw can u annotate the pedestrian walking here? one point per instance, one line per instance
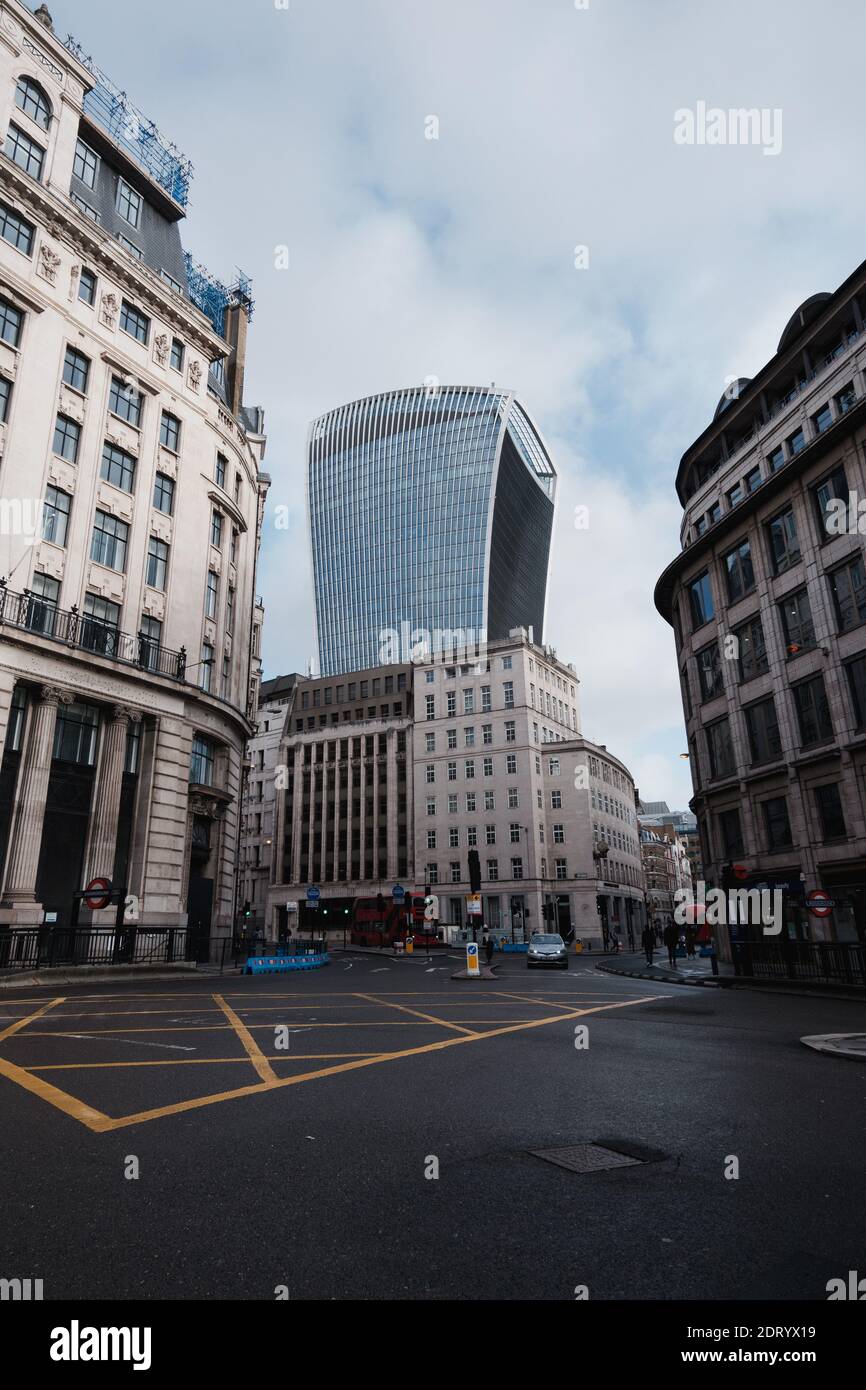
(672, 941)
(488, 947)
(690, 941)
(648, 941)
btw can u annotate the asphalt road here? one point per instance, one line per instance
(318, 1184)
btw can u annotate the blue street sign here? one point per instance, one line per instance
(398, 893)
(313, 895)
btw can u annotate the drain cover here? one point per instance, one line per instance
(586, 1158)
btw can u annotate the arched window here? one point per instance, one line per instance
(31, 99)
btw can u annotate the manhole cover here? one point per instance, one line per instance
(586, 1158)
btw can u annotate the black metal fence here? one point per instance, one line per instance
(40, 948)
(30, 613)
(822, 962)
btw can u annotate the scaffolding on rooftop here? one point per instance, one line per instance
(213, 297)
(111, 109)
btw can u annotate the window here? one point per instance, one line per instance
(832, 489)
(490, 834)
(848, 588)
(776, 458)
(42, 610)
(720, 748)
(5, 397)
(216, 530)
(553, 767)
(75, 734)
(731, 833)
(487, 733)
(87, 287)
(508, 692)
(470, 801)
(513, 798)
(469, 702)
(133, 322)
(823, 420)
(739, 571)
(701, 601)
(431, 772)
(130, 246)
(150, 635)
(797, 626)
(784, 542)
(455, 871)
(763, 728)
(169, 432)
(493, 870)
(451, 698)
(511, 764)
(517, 868)
(735, 496)
(830, 812)
(163, 493)
(16, 230)
(430, 706)
(753, 652)
(451, 738)
(125, 401)
(486, 699)
(752, 480)
(556, 801)
(469, 737)
(177, 354)
(86, 164)
(67, 436)
(76, 369)
(846, 398)
(108, 545)
(430, 743)
(25, 152)
(177, 287)
(490, 801)
(129, 203)
(510, 731)
(561, 866)
(813, 711)
(87, 208)
(206, 666)
(559, 834)
(11, 321)
(157, 563)
(230, 625)
(118, 467)
(487, 767)
(433, 873)
(201, 768)
(431, 805)
(55, 516)
(514, 833)
(856, 670)
(469, 767)
(431, 839)
(507, 663)
(101, 625)
(30, 98)
(454, 837)
(797, 442)
(710, 676)
(776, 823)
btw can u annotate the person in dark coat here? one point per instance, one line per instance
(648, 941)
(672, 941)
(488, 947)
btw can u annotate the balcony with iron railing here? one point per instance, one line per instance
(29, 613)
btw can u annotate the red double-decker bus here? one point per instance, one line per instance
(380, 922)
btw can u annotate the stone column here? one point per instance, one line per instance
(297, 802)
(323, 829)
(350, 792)
(391, 809)
(376, 748)
(362, 782)
(337, 792)
(25, 840)
(105, 812)
(311, 827)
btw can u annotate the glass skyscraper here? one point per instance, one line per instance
(431, 512)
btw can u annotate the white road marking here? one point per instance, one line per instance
(133, 1042)
(383, 969)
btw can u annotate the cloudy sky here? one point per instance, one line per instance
(307, 124)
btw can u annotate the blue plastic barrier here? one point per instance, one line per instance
(277, 965)
(514, 946)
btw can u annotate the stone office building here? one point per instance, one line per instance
(767, 600)
(132, 501)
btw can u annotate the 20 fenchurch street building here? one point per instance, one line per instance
(431, 512)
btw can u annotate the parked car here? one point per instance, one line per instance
(546, 948)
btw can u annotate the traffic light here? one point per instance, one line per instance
(248, 911)
(474, 871)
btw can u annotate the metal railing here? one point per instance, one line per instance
(40, 948)
(827, 962)
(30, 613)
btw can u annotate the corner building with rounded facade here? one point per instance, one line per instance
(767, 600)
(132, 499)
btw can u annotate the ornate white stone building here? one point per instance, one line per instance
(131, 504)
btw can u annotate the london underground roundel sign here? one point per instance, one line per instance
(819, 902)
(97, 894)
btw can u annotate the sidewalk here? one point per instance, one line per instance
(698, 971)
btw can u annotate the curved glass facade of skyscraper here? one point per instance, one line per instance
(431, 511)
